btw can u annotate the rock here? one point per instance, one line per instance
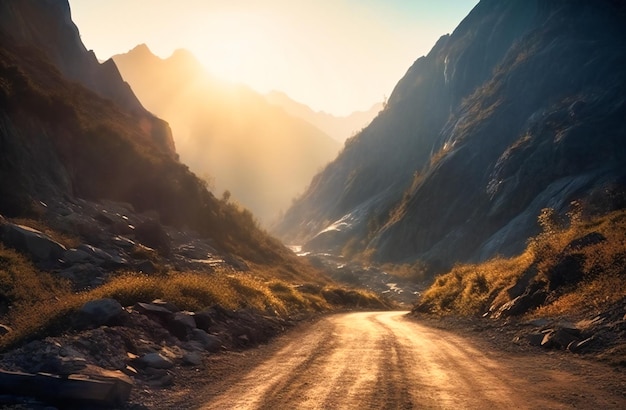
(123, 242)
(37, 245)
(167, 305)
(93, 251)
(567, 271)
(558, 339)
(204, 319)
(152, 234)
(578, 346)
(521, 304)
(100, 312)
(72, 256)
(4, 329)
(587, 240)
(108, 389)
(209, 342)
(152, 309)
(192, 358)
(535, 339)
(155, 361)
(181, 324)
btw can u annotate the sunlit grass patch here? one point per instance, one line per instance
(474, 289)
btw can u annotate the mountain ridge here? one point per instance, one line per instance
(415, 184)
(259, 153)
(339, 127)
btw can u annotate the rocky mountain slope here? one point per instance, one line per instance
(517, 110)
(263, 156)
(339, 127)
(71, 128)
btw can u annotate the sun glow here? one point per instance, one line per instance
(236, 47)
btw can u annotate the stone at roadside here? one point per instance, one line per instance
(209, 342)
(204, 319)
(558, 339)
(535, 339)
(99, 312)
(192, 358)
(578, 346)
(37, 245)
(181, 324)
(110, 390)
(155, 361)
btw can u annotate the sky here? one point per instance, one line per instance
(337, 56)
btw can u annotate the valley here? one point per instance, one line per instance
(460, 245)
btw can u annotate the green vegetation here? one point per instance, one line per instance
(597, 282)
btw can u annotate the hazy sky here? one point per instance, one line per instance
(337, 56)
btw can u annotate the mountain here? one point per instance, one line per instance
(520, 108)
(72, 131)
(229, 133)
(49, 27)
(340, 128)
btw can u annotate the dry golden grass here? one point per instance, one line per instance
(42, 304)
(473, 289)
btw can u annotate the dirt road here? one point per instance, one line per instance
(382, 360)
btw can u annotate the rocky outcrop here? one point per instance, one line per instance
(48, 25)
(517, 110)
(35, 244)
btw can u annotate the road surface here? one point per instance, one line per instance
(383, 360)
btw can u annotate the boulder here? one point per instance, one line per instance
(209, 342)
(535, 339)
(37, 245)
(180, 324)
(205, 319)
(99, 312)
(107, 389)
(558, 339)
(155, 361)
(192, 358)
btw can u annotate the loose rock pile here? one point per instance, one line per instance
(113, 349)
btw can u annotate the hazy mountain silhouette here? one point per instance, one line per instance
(520, 108)
(229, 133)
(340, 128)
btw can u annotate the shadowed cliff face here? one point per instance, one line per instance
(516, 110)
(48, 25)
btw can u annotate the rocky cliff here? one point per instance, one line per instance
(47, 25)
(65, 136)
(518, 109)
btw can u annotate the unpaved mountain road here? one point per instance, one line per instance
(384, 360)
